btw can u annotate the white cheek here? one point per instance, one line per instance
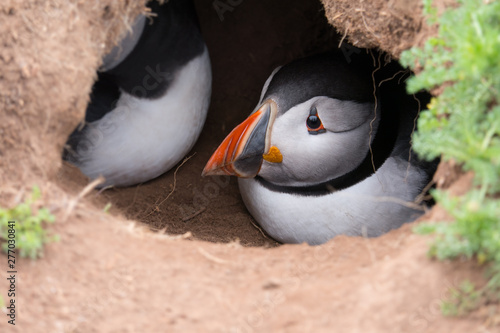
(297, 145)
(302, 153)
(311, 159)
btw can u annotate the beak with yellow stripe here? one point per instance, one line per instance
(247, 146)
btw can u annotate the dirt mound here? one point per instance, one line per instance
(109, 273)
(392, 26)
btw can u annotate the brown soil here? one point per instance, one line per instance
(208, 269)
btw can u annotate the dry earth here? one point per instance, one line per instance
(208, 269)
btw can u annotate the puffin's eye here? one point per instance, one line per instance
(314, 125)
(313, 122)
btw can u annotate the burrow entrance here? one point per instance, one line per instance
(245, 44)
(246, 40)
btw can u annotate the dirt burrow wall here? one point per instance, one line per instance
(392, 26)
(48, 57)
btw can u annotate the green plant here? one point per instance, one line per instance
(461, 300)
(107, 207)
(30, 236)
(463, 123)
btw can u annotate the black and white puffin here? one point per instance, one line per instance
(327, 151)
(150, 101)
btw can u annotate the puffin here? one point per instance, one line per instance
(327, 150)
(150, 101)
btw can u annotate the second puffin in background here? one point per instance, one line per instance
(150, 101)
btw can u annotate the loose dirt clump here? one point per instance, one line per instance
(392, 26)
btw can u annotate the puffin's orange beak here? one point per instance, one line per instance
(242, 151)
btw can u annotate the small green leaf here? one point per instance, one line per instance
(30, 235)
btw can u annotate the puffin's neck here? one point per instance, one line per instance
(371, 207)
